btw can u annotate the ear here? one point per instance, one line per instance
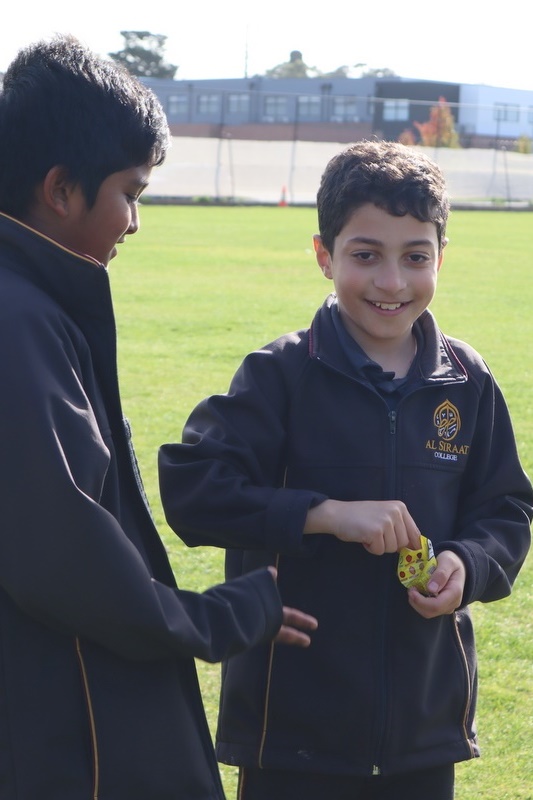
(444, 243)
(322, 256)
(57, 189)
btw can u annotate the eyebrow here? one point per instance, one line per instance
(138, 183)
(411, 243)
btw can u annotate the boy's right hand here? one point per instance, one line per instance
(381, 526)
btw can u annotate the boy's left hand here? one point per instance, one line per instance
(296, 628)
(446, 586)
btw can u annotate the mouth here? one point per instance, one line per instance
(386, 306)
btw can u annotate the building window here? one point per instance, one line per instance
(395, 110)
(309, 107)
(207, 103)
(238, 103)
(276, 109)
(506, 112)
(344, 109)
(530, 113)
(177, 105)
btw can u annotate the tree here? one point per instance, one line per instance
(523, 144)
(407, 137)
(439, 130)
(143, 56)
(293, 68)
(378, 72)
(373, 72)
(340, 72)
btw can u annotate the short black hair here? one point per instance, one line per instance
(61, 104)
(397, 178)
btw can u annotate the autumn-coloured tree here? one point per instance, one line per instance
(439, 130)
(407, 137)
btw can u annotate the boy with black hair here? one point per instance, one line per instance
(99, 696)
(336, 447)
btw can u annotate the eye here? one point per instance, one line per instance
(364, 256)
(418, 259)
(135, 195)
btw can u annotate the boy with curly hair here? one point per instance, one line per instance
(336, 447)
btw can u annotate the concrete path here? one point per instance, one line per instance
(269, 172)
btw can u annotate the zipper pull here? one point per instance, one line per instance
(392, 421)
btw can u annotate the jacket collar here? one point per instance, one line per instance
(77, 282)
(438, 362)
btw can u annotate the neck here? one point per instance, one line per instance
(398, 359)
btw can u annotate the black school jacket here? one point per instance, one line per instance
(98, 691)
(380, 690)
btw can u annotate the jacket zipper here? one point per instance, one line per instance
(376, 768)
(267, 695)
(392, 418)
(92, 725)
(392, 439)
(269, 670)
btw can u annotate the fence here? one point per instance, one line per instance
(236, 170)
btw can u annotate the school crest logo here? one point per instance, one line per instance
(447, 421)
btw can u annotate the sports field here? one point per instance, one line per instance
(197, 288)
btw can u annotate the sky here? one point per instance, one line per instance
(457, 40)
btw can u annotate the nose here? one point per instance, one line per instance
(135, 222)
(390, 277)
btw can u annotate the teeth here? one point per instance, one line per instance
(387, 306)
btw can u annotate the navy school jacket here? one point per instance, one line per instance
(99, 697)
(381, 690)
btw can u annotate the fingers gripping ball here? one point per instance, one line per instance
(415, 567)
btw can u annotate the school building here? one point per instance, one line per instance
(341, 109)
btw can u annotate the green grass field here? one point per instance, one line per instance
(198, 288)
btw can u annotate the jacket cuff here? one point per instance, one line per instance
(467, 556)
(285, 522)
(264, 586)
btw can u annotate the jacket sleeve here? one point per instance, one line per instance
(496, 505)
(223, 485)
(64, 559)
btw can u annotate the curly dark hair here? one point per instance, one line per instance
(399, 179)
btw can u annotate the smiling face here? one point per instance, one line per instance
(384, 269)
(97, 230)
(60, 211)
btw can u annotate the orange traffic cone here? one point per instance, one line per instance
(283, 199)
